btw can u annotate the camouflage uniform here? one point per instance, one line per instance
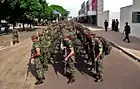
(99, 62)
(15, 36)
(37, 61)
(48, 45)
(70, 63)
(44, 50)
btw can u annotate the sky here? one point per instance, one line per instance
(74, 5)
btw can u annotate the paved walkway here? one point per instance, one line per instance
(116, 38)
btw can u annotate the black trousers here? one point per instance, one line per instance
(116, 28)
(127, 37)
(106, 28)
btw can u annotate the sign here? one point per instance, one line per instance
(94, 5)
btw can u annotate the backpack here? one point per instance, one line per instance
(106, 45)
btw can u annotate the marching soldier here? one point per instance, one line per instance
(98, 59)
(69, 59)
(44, 50)
(36, 56)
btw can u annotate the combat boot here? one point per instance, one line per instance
(43, 77)
(45, 68)
(99, 80)
(40, 81)
(71, 79)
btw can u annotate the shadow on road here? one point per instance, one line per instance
(58, 65)
(31, 68)
(81, 66)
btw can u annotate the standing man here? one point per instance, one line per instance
(127, 32)
(70, 58)
(15, 36)
(116, 25)
(36, 56)
(106, 25)
(113, 25)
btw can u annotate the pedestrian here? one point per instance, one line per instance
(113, 25)
(116, 25)
(15, 36)
(70, 57)
(36, 56)
(127, 31)
(106, 25)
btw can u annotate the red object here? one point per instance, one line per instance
(94, 4)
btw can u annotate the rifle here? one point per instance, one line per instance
(28, 70)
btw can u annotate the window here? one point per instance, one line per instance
(135, 17)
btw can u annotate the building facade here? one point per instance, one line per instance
(108, 15)
(131, 14)
(90, 10)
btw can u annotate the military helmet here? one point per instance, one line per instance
(34, 37)
(66, 33)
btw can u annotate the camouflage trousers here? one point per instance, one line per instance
(38, 67)
(70, 66)
(44, 60)
(99, 68)
(15, 39)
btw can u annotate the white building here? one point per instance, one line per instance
(107, 15)
(131, 14)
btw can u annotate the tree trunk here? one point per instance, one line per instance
(30, 25)
(0, 25)
(23, 26)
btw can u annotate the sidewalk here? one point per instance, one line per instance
(116, 38)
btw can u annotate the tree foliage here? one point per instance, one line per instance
(27, 10)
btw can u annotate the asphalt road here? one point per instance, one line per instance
(120, 72)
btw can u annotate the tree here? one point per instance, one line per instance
(25, 11)
(64, 13)
(30, 10)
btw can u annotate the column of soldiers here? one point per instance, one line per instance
(65, 34)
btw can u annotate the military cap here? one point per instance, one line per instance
(34, 37)
(66, 33)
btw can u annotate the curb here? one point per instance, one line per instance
(126, 52)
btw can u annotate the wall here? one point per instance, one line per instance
(113, 15)
(101, 18)
(126, 15)
(135, 26)
(135, 2)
